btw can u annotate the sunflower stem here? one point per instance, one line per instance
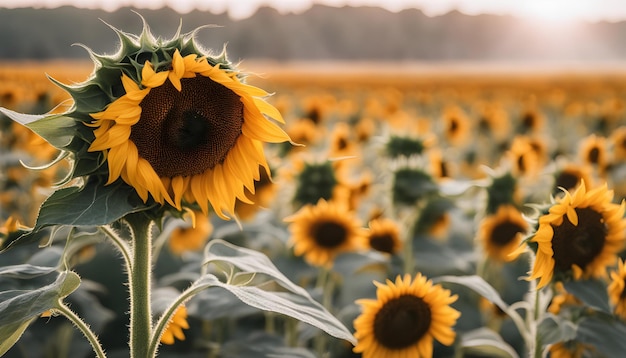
(83, 327)
(326, 284)
(139, 275)
(536, 315)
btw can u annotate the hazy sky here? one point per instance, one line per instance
(552, 10)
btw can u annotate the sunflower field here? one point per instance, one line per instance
(166, 202)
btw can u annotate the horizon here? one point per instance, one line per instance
(552, 12)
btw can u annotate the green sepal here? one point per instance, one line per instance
(56, 129)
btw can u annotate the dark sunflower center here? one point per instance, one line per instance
(188, 132)
(505, 232)
(382, 242)
(528, 121)
(402, 322)
(566, 180)
(521, 163)
(454, 125)
(329, 234)
(594, 155)
(578, 244)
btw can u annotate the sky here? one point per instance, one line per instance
(544, 10)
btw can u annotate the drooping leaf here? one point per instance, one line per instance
(57, 130)
(11, 333)
(478, 285)
(300, 307)
(484, 342)
(25, 271)
(19, 307)
(296, 302)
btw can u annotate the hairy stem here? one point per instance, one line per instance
(83, 327)
(139, 275)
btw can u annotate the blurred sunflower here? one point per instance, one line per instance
(592, 151)
(618, 140)
(572, 349)
(341, 143)
(581, 234)
(569, 177)
(191, 238)
(174, 329)
(264, 193)
(404, 319)
(523, 157)
(501, 233)
(384, 236)
(456, 125)
(616, 289)
(322, 231)
(530, 120)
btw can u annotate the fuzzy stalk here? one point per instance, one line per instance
(139, 281)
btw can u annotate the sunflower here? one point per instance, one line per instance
(525, 156)
(617, 292)
(404, 319)
(384, 236)
(530, 120)
(264, 193)
(569, 177)
(592, 151)
(456, 125)
(618, 140)
(502, 232)
(580, 235)
(174, 329)
(191, 238)
(572, 349)
(322, 231)
(341, 143)
(186, 130)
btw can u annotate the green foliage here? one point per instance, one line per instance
(237, 262)
(18, 308)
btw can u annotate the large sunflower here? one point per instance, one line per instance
(580, 235)
(322, 231)
(502, 232)
(188, 131)
(404, 319)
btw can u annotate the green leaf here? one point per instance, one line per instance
(295, 303)
(19, 307)
(25, 271)
(91, 205)
(605, 333)
(553, 329)
(592, 292)
(11, 334)
(483, 342)
(300, 307)
(56, 129)
(480, 286)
